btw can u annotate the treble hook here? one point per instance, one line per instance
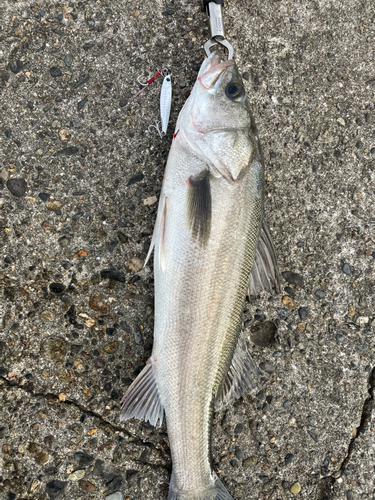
(157, 128)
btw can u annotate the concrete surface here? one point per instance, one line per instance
(69, 350)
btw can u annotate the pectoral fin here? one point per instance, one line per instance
(265, 272)
(242, 376)
(199, 206)
(159, 233)
(142, 399)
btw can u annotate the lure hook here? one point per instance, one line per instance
(157, 128)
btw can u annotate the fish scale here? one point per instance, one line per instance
(208, 229)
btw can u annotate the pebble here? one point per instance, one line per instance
(341, 122)
(4, 175)
(69, 151)
(44, 196)
(15, 66)
(263, 334)
(289, 458)
(54, 205)
(362, 320)
(25, 14)
(340, 337)
(82, 103)
(250, 462)
(115, 483)
(303, 312)
(295, 488)
(57, 288)
(150, 201)
(135, 179)
(87, 486)
(293, 278)
(122, 237)
(288, 302)
(55, 488)
(320, 294)
(68, 59)
(77, 475)
(115, 496)
(17, 187)
(246, 76)
(47, 316)
(134, 264)
(97, 304)
(83, 459)
(112, 274)
(346, 269)
(123, 102)
(267, 367)
(351, 311)
(55, 71)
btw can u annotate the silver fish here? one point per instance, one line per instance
(212, 247)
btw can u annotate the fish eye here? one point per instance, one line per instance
(235, 91)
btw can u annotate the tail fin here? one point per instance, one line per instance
(216, 492)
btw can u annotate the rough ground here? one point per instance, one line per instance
(77, 307)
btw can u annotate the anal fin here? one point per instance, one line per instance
(264, 272)
(142, 399)
(242, 376)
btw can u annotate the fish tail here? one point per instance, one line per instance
(216, 492)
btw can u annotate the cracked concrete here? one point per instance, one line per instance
(76, 305)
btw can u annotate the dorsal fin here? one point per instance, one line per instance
(199, 206)
(142, 399)
(265, 272)
(242, 376)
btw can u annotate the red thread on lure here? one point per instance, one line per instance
(147, 84)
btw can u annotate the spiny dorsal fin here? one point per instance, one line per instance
(264, 273)
(142, 399)
(199, 206)
(241, 376)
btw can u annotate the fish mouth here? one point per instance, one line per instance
(212, 71)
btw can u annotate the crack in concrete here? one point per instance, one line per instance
(105, 423)
(326, 492)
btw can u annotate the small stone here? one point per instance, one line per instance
(69, 151)
(267, 367)
(4, 175)
(15, 66)
(340, 337)
(346, 269)
(288, 302)
(320, 294)
(57, 288)
(47, 316)
(239, 428)
(62, 396)
(113, 274)
(54, 205)
(303, 312)
(115, 483)
(112, 347)
(351, 311)
(25, 14)
(64, 135)
(83, 459)
(115, 496)
(295, 488)
(55, 72)
(55, 488)
(134, 264)
(82, 103)
(246, 76)
(68, 59)
(150, 201)
(80, 253)
(123, 102)
(289, 458)
(301, 326)
(54, 348)
(88, 46)
(44, 196)
(43, 458)
(97, 304)
(122, 237)
(341, 122)
(293, 278)
(263, 334)
(79, 365)
(77, 475)
(17, 187)
(87, 486)
(250, 462)
(362, 320)
(135, 179)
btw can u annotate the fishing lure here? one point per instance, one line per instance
(165, 102)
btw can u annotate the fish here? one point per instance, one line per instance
(212, 247)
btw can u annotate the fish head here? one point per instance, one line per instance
(218, 121)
